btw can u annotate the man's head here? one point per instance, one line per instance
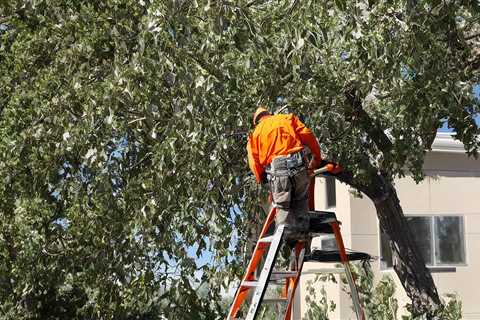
(259, 114)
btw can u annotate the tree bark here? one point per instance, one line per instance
(407, 261)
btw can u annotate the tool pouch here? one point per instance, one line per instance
(286, 165)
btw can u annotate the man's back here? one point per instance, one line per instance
(276, 135)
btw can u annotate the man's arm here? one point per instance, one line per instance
(307, 138)
(253, 161)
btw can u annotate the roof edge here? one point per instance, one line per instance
(444, 142)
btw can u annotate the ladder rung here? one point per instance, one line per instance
(323, 217)
(268, 239)
(250, 284)
(324, 270)
(274, 300)
(279, 275)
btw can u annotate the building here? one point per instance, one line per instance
(443, 211)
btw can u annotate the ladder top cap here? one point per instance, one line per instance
(323, 216)
(321, 212)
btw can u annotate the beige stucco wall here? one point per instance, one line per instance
(451, 187)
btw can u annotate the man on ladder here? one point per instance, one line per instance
(276, 155)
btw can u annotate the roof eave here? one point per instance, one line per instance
(444, 142)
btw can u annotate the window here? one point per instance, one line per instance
(440, 240)
(328, 242)
(331, 192)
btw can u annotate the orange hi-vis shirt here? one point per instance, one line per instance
(278, 135)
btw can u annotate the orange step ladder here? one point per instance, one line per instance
(270, 245)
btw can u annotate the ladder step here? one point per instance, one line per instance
(323, 216)
(267, 239)
(250, 284)
(279, 275)
(274, 300)
(334, 256)
(275, 276)
(320, 222)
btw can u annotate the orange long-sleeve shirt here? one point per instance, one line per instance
(278, 135)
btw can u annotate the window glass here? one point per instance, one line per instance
(331, 192)
(386, 260)
(440, 240)
(328, 243)
(421, 229)
(449, 241)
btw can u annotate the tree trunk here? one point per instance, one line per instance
(407, 261)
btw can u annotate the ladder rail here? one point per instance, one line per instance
(299, 266)
(348, 272)
(242, 291)
(265, 274)
(292, 277)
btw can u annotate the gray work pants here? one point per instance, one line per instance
(290, 196)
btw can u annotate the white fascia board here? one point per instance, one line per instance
(444, 142)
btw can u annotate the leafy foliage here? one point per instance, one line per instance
(122, 128)
(119, 170)
(318, 304)
(377, 296)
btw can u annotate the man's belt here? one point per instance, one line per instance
(285, 163)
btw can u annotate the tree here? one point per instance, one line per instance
(114, 182)
(122, 135)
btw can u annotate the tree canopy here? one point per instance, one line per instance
(123, 127)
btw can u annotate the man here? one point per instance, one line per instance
(276, 154)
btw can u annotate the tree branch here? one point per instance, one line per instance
(210, 68)
(12, 258)
(473, 36)
(5, 19)
(371, 126)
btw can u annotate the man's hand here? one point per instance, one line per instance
(313, 164)
(336, 168)
(332, 167)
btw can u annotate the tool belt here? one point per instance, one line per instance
(287, 165)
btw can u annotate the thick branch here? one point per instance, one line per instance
(210, 68)
(408, 262)
(371, 126)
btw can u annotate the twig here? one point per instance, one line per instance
(136, 120)
(295, 3)
(5, 19)
(148, 155)
(473, 36)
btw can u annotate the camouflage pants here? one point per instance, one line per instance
(290, 196)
